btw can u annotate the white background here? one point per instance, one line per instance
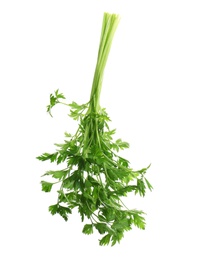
(152, 92)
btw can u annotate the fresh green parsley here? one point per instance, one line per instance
(95, 177)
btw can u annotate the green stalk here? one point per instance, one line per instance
(109, 25)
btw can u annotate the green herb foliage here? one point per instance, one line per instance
(95, 177)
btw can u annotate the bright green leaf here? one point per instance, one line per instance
(105, 240)
(53, 209)
(46, 186)
(88, 229)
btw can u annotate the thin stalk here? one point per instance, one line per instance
(109, 25)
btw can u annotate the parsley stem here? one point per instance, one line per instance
(63, 103)
(91, 211)
(123, 204)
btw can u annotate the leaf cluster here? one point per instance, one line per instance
(54, 99)
(96, 177)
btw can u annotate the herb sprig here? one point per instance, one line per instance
(95, 177)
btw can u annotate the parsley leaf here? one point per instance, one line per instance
(46, 186)
(88, 229)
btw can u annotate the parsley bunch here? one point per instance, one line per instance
(95, 177)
